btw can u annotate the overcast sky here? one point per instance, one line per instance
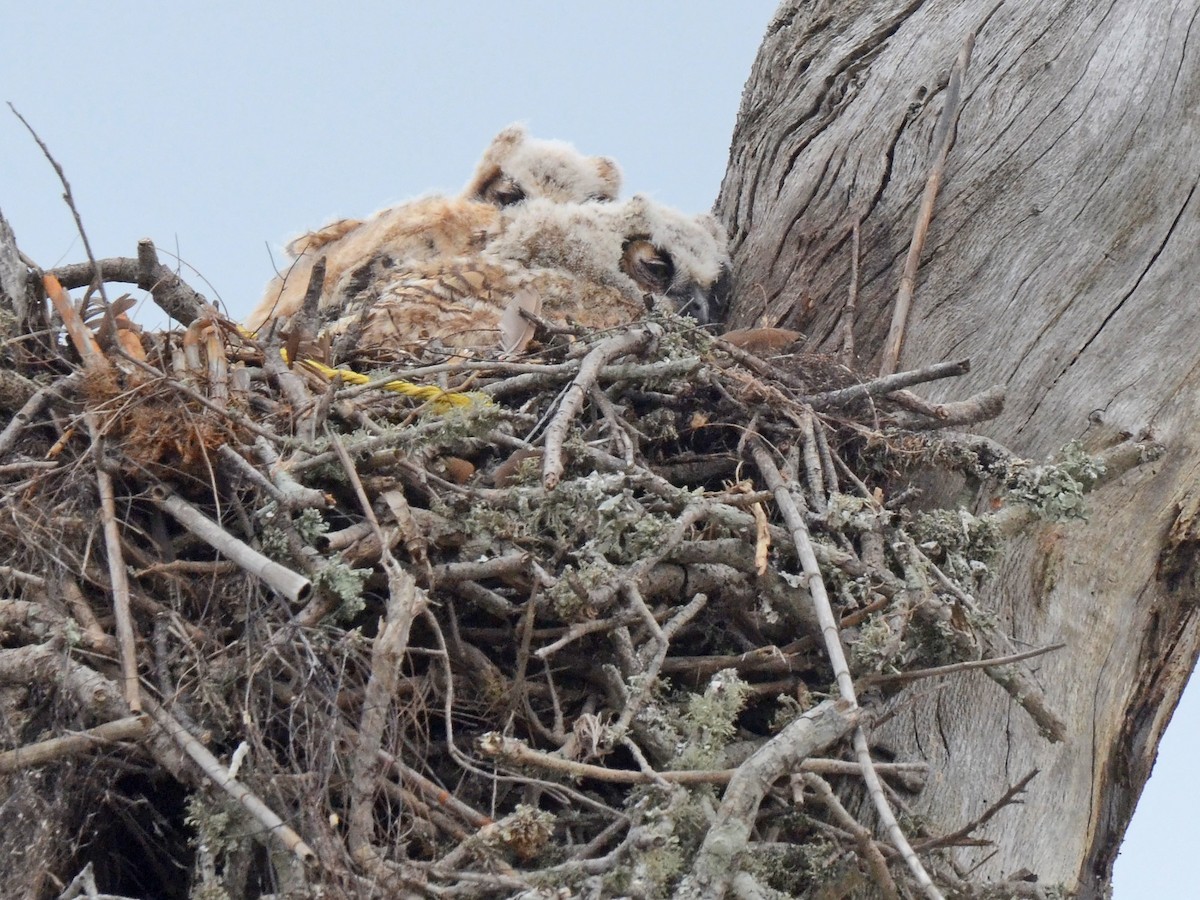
(222, 129)
(219, 129)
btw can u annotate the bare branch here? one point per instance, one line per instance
(943, 137)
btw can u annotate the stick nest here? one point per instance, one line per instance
(525, 637)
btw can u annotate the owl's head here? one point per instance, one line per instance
(642, 248)
(682, 258)
(516, 167)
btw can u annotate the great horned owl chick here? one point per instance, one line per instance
(514, 168)
(517, 167)
(594, 265)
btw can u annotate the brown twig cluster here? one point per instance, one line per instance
(597, 622)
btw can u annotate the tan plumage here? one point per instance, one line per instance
(514, 168)
(593, 265)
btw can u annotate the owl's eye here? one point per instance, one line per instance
(650, 267)
(656, 269)
(508, 195)
(501, 191)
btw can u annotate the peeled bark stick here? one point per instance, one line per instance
(291, 585)
(717, 861)
(589, 372)
(219, 775)
(81, 336)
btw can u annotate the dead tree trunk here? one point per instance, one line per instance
(1062, 260)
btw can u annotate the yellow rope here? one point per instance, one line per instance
(440, 400)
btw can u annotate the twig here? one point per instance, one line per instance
(851, 306)
(473, 570)
(977, 408)
(518, 753)
(837, 657)
(943, 138)
(435, 793)
(292, 585)
(885, 384)
(917, 674)
(245, 468)
(75, 744)
(812, 463)
(70, 200)
(799, 533)
(727, 836)
(172, 294)
(27, 577)
(294, 494)
(648, 678)
(117, 572)
(292, 386)
(949, 840)
(85, 616)
(862, 837)
(219, 775)
(22, 417)
(1019, 684)
(589, 370)
(581, 629)
(387, 653)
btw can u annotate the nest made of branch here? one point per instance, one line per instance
(514, 638)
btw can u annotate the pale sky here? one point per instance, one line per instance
(222, 129)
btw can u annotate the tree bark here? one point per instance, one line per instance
(1062, 260)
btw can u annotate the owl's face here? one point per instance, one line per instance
(516, 167)
(653, 270)
(639, 247)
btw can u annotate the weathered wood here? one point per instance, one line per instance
(12, 272)
(1061, 259)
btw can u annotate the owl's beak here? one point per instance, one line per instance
(704, 304)
(698, 304)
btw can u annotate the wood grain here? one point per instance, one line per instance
(1061, 260)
